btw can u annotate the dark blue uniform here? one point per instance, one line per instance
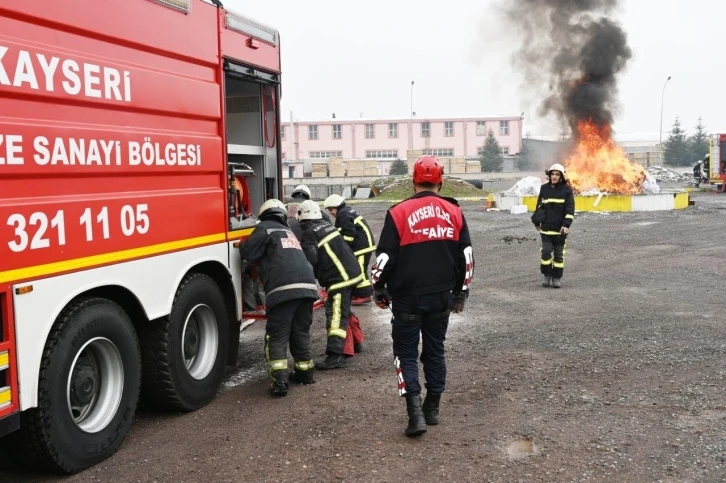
(424, 257)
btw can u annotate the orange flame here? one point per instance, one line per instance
(598, 163)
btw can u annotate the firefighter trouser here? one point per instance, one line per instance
(354, 335)
(429, 317)
(365, 288)
(552, 258)
(337, 312)
(289, 322)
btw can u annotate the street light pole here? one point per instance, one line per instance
(410, 129)
(660, 133)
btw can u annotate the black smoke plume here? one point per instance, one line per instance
(577, 49)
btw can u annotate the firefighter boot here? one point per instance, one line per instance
(303, 377)
(556, 283)
(279, 384)
(546, 280)
(416, 419)
(332, 361)
(431, 408)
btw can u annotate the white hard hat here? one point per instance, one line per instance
(556, 167)
(700, 161)
(303, 190)
(272, 204)
(333, 201)
(309, 210)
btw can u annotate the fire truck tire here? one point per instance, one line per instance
(88, 389)
(185, 354)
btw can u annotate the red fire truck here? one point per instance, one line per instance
(716, 161)
(136, 139)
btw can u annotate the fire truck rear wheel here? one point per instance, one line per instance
(87, 390)
(185, 354)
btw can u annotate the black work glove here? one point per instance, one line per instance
(457, 304)
(381, 298)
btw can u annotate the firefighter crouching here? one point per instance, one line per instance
(424, 266)
(553, 217)
(357, 233)
(337, 270)
(290, 289)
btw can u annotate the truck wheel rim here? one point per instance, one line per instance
(95, 385)
(199, 341)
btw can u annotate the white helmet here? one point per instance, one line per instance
(301, 191)
(556, 167)
(700, 161)
(333, 201)
(273, 207)
(309, 210)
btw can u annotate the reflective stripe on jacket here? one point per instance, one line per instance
(332, 259)
(355, 230)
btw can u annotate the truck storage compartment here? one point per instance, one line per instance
(244, 112)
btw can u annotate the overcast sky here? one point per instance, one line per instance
(350, 58)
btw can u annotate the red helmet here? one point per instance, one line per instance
(428, 170)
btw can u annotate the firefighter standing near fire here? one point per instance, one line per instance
(698, 175)
(290, 289)
(553, 217)
(337, 269)
(424, 266)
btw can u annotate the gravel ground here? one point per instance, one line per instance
(618, 376)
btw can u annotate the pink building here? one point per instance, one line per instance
(389, 139)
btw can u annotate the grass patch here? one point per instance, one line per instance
(401, 187)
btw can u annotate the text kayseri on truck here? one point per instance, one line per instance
(129, 170)
(49, 73)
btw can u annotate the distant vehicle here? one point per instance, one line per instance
(715, 161)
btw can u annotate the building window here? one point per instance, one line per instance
(282, 133)
(504, 150)
(325, 154)
(504, 128)
(439, 152)
(382, 154)
(312, 132)
(425, 129)
(481, 128)
(448, 128)
(393, 130)
(337, 131)
(370, 131)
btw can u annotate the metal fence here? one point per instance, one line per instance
(320, 192)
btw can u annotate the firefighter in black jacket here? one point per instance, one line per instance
(290, 289)
(357, 233)
(337, 270)
(556, 203)
(424, 266)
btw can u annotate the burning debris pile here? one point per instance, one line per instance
(668, 175)
(579, 50)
